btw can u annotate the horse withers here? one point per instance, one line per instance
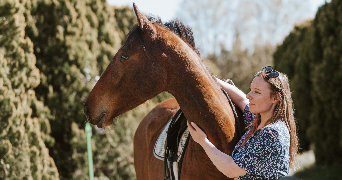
(153, 59)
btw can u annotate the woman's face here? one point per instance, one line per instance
(260, 100)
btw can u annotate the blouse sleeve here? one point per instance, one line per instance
(263, 156)
(248, 116)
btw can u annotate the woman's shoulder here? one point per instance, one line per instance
(280, 127)
(277, 131)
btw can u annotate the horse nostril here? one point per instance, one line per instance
(102, 115)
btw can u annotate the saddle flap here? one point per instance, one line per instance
(174, 135)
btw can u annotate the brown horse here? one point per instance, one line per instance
(152, 60)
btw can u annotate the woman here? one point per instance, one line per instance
(269, 146)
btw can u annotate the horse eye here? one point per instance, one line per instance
(124, 57)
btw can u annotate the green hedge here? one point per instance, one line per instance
(24, 121)
(51, 52)
(312, 58)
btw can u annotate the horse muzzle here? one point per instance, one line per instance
(99, 120)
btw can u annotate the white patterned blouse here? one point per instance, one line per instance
(266, 154)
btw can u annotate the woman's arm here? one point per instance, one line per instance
(237, 96)
(222, 161)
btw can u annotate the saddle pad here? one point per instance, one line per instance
(159, 147)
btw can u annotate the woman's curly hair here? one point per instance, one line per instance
(280, 89)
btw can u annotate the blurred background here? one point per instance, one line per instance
(52, 52)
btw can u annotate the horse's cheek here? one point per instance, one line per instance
(147, 82)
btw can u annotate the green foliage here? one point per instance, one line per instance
(73, 42)
(125, 18)
(53, 51)
(293, 58)
(311, 56)
(24, 126)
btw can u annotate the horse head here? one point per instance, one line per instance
(137, 73)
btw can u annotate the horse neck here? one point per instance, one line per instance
(201, 99)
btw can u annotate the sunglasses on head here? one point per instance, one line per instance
(270, 73)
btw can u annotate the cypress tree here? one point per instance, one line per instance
(73, 41)
(24, 125)
(326, 85)
(312, 57)
(293, 59)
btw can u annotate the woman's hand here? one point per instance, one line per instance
(222, 161)
(197, 134)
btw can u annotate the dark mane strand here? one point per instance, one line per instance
(155, 19)
(176, 26)
(183, 32)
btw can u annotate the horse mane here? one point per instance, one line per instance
(177, 27)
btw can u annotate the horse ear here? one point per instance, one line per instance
(143, 22)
